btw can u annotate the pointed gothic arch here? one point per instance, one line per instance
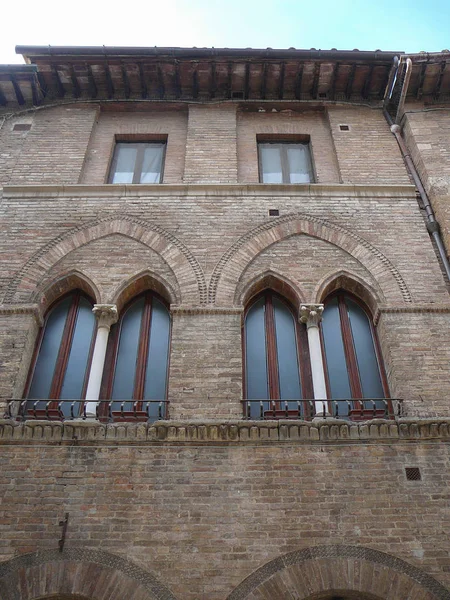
(187, 270)
(233, 262)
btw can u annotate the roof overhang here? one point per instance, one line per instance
(101, 73)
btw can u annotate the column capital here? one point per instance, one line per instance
(106, 314)
(311, 314)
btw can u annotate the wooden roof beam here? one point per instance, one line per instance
(384, 83)
(35, 93)
(126, 83)
(144, 90)
(3, 100)
(58, 83)
(93, 91)
(109, 82)
(17, 90)
(423, 71)
(334, 78)
(349, 86)
(42, 84)
(437, 90)
(298, 82)
(76, 86)
(367, 82)
(281, 81)
(195, 85)
(212, 81)
(315, 85)
(177, 80)
(264, 82)
(230, 80)
(161, 86)
(247, 81)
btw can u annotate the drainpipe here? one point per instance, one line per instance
(432, 223)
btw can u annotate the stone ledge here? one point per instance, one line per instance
(229, 432)
(209, 189)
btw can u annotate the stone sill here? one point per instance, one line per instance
(224, 432)
(109, 191)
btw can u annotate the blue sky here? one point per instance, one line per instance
(409, 25)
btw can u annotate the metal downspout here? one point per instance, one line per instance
(432, 223)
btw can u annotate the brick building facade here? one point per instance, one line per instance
(201, 190)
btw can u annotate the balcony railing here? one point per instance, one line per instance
(362, 409)
(106, 411)
(148, 411)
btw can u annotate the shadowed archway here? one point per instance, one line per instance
(338, 572)
(77, 574)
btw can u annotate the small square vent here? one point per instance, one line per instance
(274, 212)
(413, 474)
(22, 127)
(344, 127)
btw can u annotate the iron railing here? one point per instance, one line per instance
(109, 411)
(105, 410)
(360, 409)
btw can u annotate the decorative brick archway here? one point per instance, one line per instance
(225, 277)
(321, 572)
(180, 259)
(77, 574)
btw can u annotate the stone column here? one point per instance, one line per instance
(311, 314)
(106, 316)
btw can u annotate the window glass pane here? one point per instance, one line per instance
(79, 353)
(288, 371)
(255, 350)
(125, 371)
(158, 354)
(48, 352)
(299, 163)
(125, 161)
(271, 163)
(369, 372)
(151, 165)
(334, 352)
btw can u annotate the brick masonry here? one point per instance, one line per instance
(203, 506)
(207, 506)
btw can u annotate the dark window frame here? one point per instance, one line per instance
(285, 171)
(349, 349)
(140, 145)
(303, 355)
(142, 353)
(64, 350)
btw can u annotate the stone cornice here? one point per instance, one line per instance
(208, 189)
(230, 432)
(410, 308)
(23, 309)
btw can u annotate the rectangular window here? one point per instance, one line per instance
(285, 163)
(137, 162)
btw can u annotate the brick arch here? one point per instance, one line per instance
(77, 573)
(350, 571)
(139, 282)
(350, 282)
(180, 259)
(269, 280)
(233, 262)
(51, 290)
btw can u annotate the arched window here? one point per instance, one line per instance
(61, 366)
(353, 360)
(276, 357)
(139, 357)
